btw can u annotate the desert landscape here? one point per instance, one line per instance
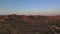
(31, 24)
(29, 16)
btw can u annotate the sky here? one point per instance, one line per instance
(30, 7)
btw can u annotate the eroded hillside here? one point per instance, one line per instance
(22, 24)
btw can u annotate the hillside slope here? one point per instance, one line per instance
(21, 24)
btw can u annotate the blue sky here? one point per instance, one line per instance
(30, 7)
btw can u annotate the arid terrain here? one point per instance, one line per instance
(32, 24)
